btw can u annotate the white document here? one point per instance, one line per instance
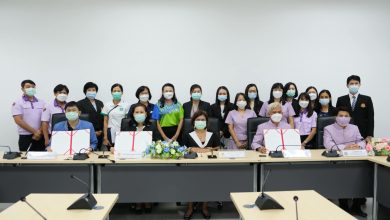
(132, 144)
(287, 139)
(296, 153)
(232, 154)
(70, 142)
(41, 155)
(354, 153)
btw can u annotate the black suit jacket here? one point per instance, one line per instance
(95, 117)
(205, 106)
(216, 113)
(363, 114)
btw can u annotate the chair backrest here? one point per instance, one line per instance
(58, 117)
(212, 126)
(252, 127)
(322, 122)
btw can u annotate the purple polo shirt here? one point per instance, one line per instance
(287, 111)
(335, 134)
(50, 109)
(258, 139)
(31, 112)
(304, 124)
(239, 123)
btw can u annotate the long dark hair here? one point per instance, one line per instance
(236, 98)
(309, 107)
(314, 101)
(271, 96)
(227, 102)
(162, 99)
(257, 99)
(318, 105)
(287, 87)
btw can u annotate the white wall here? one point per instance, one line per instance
(212, 43)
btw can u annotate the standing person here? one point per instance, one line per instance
(144, 96)
(237, 121)
(313, 93)
(195, 102)
(114, 111)
(169, 114)
(325, 107)
(252, 94)
(61, 93)
(27, 113)
(306, 122)
(290, 94)
(93, 107)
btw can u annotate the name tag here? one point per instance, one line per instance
(131, 155)
(354, 153)
(232, 154)
(38, 155)
(296, 153)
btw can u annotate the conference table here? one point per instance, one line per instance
(200, 179)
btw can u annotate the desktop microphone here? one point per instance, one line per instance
(81, 156)
(87, 201)
(296, 205)
(23, 199)
(335, 153)
(10, 155)
(279, 154)
(265, 201)
(104, 156)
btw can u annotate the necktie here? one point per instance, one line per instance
(353, 102)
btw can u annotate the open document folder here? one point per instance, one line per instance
(70, 142)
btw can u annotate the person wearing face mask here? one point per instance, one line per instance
(346, 137)
(290, 94)
(200, 141)
(274, 110)
(361, 107)
(114, 111)
(237, 122)
(324, 106)
(220, 109)
(306, 122)
(169, 114)
(73, 123)
(276, 95)
(313, 94)
(61, 93)
(144, 96)
(93, 107)
(252, 95)
(195, 103)
(27, 113)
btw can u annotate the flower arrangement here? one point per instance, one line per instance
(380, 146)
(165, 150)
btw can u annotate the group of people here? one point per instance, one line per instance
(286, 108)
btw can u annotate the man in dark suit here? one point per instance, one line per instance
(93, 107)
(362, 110)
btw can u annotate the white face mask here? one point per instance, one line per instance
(144, 98)
(62, 97)
(313, 96)
(277, 117)
(241, 104)
(277, 94)
(303, 104)
(168, 95)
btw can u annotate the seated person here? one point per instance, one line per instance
(200, 141)
(72, 113)
(275, 112)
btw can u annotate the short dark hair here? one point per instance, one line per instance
(61, 87)
(228, 94)
(89, 85)
(72, 104)
(236, 99)
(141, 89)
(132, 110)
(195, 86)
(117, 85)
(197, 114)
(353, 77)
(343, 109)
(24, 82)
(287, 87)
(271, 96)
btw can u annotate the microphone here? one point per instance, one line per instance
(23, 199)
(81, 156)
(296, 205)
(279, 154)
(265, 201)
(25, 155)
(104, 156)
(10, 155)
(87, 201)
(334, 153)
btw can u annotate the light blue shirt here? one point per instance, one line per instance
(63, 126)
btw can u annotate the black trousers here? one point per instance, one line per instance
(170, 132)
(26, 140)
(311, 144)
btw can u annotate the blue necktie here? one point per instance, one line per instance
(353, 102)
